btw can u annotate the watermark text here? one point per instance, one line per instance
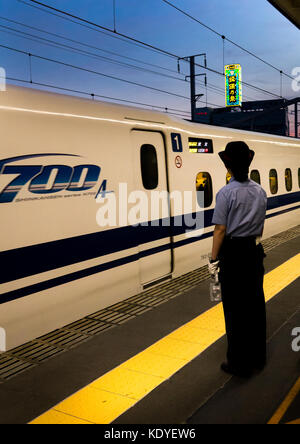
(140, 208)
(296, 341)
(2, 79)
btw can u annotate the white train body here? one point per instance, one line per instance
(57, 153)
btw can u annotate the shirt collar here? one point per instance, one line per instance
(234, 180)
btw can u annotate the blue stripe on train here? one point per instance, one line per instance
(27, 261)
(88, 240)
(35, 288)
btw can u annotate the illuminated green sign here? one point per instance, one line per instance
(233, 79)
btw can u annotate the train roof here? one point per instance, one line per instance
(53, 102)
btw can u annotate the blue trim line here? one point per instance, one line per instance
(141, 235)
(36, 259)
(31, 289)
(278, 213)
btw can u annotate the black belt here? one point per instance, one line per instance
(243, 239)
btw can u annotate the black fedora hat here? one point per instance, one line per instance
(237, 154)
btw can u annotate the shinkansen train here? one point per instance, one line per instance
(100, 201)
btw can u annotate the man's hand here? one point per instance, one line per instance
(219, 235)
(213, 267)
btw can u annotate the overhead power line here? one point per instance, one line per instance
(52, 43)
(92, 95)
(103, 28)
(211, 87)
(93, 72)
(95, 26)
(117, 37)
(33, 28)
(225, 38)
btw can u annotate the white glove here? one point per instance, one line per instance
(213, 268)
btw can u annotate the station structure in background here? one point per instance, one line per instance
(289, 8)
(267, 116)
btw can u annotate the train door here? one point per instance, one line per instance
(150, 171)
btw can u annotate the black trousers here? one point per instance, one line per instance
(241, 276)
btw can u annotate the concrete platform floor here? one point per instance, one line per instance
(199, 393)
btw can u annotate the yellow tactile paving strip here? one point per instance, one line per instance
(283, 408)
(114, 393)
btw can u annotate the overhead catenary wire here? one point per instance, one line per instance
(69, 48)
(59, 45)
(53, 43)
(117, 35)
(86, 45)
(94, 26)
(32, 37)
(225, 38)
(96, 73)
(89, 46)
(167, 110)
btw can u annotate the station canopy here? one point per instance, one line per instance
(290, 9)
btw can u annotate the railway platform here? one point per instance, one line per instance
(155, 359)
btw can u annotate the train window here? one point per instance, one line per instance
(149, 167)
(288, 179)
(228, 178)
(255, 176)
(273, 182)
(204, 184)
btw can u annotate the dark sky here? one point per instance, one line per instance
(254, 24)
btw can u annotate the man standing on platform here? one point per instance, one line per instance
(239, 217)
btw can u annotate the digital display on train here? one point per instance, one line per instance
(201, 146)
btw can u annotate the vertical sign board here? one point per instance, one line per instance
(233, 79)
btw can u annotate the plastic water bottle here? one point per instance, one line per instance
(215, 289)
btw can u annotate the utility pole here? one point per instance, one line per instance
(194, 97)
(193, 87)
